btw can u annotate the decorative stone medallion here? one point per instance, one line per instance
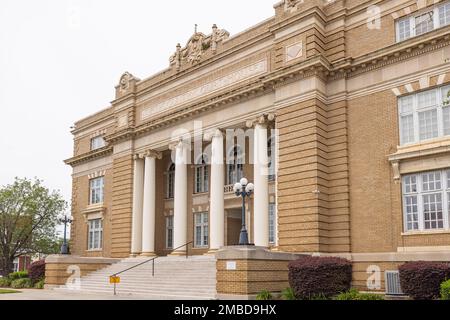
(294, 51)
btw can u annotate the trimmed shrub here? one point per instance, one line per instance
(354, 294)
(18, 275)
(5, 282)
(445, 290)
(264, 295)
(421, 280)
(311, 277)
(23, 283)
(40, 284)
(288, 294)
(36, 271)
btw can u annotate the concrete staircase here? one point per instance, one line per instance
(175, 278)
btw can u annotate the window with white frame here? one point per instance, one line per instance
(271, 154)
(272, 223)
(426, 21)
(170, 182)
(424, 116)
(95, 234)
(235, 165)
(201, 175)
(201, 229)
(426, 201)
(96, 190)
(169, 232)
(97, 143)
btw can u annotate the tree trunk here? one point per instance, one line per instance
(6, 266)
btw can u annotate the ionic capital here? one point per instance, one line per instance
(181, 143)
(263, 120)
(153, 154)
(214, 133)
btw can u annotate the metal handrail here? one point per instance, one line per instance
(153, 262)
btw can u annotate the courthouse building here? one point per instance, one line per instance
(344, 108)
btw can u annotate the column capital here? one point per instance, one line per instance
(264, 120)
(152, 154)
(138, 156)
(213, 133)
(181, 143)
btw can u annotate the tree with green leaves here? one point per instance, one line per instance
(28, 219)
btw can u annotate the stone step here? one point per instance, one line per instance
(151, 285)
(175, 277)
(149, 295)
(131, 289)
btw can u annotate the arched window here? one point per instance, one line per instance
(170, 175)
(201, 175)
(235, 166)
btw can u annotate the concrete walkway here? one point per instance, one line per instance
(30, 294)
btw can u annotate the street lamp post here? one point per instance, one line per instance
(245, 190)
(65, 246)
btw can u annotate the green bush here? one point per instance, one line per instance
(264, 295)
(23, 283)
(354, 294)
(18, 275)
(39, 284)
(288, 294)
(445, 290)
(5, 283)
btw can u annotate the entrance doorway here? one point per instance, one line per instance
(234, 226)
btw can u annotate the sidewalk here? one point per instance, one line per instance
(30, 294)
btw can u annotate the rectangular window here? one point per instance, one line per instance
(97, 143)
(272, 223)
(169, 232)
(444, 14)
(201, 179)
(201, 229)
(424, 116)
(95, 234)
(96, 190)
(404, 29)
(424, 23)
(418, 24)
(426, 202)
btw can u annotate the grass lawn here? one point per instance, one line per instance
(5, 291)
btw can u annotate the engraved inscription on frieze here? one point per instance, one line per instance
(219, 84)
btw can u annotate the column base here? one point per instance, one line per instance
(211, 252)
(148, 254)
(177, 253)
(134, 255)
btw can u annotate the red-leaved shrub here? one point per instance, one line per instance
(311, 277)
(36, 271)
(421, 280)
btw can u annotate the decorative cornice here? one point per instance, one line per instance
(89, 156)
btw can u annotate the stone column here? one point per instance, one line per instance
(180, 201)
(149, 207)
(217, 214)
(138, 192)
(261, 181)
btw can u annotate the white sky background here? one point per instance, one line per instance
(60, 61)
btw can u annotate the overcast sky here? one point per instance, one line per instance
(60, 61)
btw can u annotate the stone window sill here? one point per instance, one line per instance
(424, 148)
(95, 250)
(425, 233)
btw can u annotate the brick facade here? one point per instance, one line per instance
(336, 111)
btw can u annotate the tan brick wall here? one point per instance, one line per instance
(252, 276)
(57, 274)
(313, 157)
(79, 227)
(122, 206)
